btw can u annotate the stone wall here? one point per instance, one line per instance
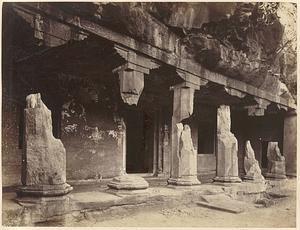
(92, 141)
(206, 163)
(11, 153)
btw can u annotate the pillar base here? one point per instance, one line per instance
(128, 182)
(275, 176)
(227, 179)
(253, 179)
(184, 181)
(44, 190)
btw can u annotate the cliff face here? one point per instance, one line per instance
(245, 41)
(251, 42)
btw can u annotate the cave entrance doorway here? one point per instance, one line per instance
(264, 159)
(139, 141)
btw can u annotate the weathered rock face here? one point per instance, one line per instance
(240, 40)
(44, 164)
(227, 147)
(189, 14)
(276, 162)
(252, 169)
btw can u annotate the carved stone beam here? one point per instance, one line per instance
(132, 57)
(235, 93)
(259, 108)
(191, 80)
(282, 107)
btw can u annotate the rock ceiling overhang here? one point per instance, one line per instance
(171, 57)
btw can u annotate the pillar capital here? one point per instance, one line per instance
(191, 80)
(131, 74)
(183, 102)
(259, 108)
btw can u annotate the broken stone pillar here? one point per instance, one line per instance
(184, 157)
(123, 180)
(251, 166)
(227, 148)
(290, 143)
(44, 157)
(276, 162)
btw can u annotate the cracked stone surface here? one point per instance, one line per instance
(251, 165)
(44, 165)
(276, 162)
(227, 145)
(187, 158)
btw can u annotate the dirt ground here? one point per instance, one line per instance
(282, 213)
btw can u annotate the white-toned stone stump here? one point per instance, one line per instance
(251, 166)
(44, 157)
(276, 162)
(128, 182)
(227, 147)
(186, 158)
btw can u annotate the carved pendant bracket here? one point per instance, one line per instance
(259, 108)
(131, 74)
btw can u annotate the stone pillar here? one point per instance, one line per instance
(290, 143)
(276, 162)
(227, 148)
(184, 157)
(44, 157)
(251, 165)
(166, 151)
(131, 86)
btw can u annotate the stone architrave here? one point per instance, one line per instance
(276, 162)
(44, 156)
(124, 181)
(227, 148)
(184, 157)
(251, 166)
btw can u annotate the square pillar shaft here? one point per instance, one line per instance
(184, 157)
(290, 143)
(227, 148)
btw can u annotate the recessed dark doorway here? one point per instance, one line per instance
(139, 141)
(264, 159)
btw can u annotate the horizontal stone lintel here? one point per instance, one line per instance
(131, 67)
(155, 53)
